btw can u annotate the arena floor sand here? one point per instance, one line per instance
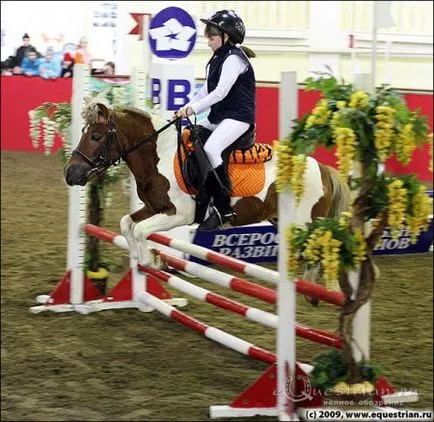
(129, 366)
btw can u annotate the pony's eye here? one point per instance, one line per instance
(95, 137)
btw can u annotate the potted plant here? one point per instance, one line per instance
(366, 129)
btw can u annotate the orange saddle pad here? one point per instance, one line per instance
(246, 170)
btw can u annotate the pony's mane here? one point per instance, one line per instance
(91, 109)
(90, 112)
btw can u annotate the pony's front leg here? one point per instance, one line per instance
(127, 229)
(158, 222)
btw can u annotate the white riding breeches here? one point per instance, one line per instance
(223, 135)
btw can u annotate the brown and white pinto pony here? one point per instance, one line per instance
(111, 131)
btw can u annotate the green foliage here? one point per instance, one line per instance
(331, 368)
(370, 371)
(377, 196)
(304, 140)
(58, 112)
(102, 263)
(339, 232)
(329, 86)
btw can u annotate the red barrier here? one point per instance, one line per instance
(20, 94)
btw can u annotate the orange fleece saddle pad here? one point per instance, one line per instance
(246, 170)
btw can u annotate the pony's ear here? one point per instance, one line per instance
(103, 112)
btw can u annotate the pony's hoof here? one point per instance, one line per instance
(134, 254)
(146, 262)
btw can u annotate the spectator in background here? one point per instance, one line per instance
(82, 55)
(30, 63)
(13, 63)
(67, 66)
(50, 67)
(54, 40)
(107, 70)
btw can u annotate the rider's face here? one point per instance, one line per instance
(214, 42)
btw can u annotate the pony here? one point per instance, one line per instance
(148, 145)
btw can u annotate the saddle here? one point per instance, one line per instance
(244, 161)
(243, 143)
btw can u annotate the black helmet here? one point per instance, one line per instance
(228, 22)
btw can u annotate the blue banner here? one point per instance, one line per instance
(249, 243)
(260, 243)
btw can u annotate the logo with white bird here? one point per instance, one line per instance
(172, 33)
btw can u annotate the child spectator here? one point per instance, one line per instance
(50, 67)
(67, 66)
(82, 55)
(13, 63)
(30, 64)
(107, 70)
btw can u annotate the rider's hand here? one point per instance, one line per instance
(184, 112)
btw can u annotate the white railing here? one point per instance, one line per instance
(410, 17)
(261, 15)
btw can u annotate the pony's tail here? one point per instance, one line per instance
(340, 202)
(341, 197)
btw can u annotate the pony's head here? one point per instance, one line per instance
(98, 147)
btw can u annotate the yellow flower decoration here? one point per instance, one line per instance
(320, 114)
(345, 140)
(335, 120)
(297, 176)
(422, 210)
(101, 274)
(293, 257)
(406, 143)
(360, 251)
(359, 99)
(321, 248)
(397, 198)
(384, 131)
(345, 219)
(283, 152)
(430, 142)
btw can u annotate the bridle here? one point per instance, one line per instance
(100, 163)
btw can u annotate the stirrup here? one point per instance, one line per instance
(216, 220)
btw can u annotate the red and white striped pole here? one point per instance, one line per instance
(254, 314)
(302, 286)
(220, 278)
(208, 331)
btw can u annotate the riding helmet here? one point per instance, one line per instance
(228, 22)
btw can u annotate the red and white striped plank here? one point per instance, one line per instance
(250, 289)
(254, 314)
(265, 318)
(256, 271)
(253, 270)
(107, 236)
(220, 278)
(215, 334)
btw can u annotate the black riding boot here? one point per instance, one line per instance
(222, 211)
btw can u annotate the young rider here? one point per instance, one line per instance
(229, 91)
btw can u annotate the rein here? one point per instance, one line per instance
(100, 163)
